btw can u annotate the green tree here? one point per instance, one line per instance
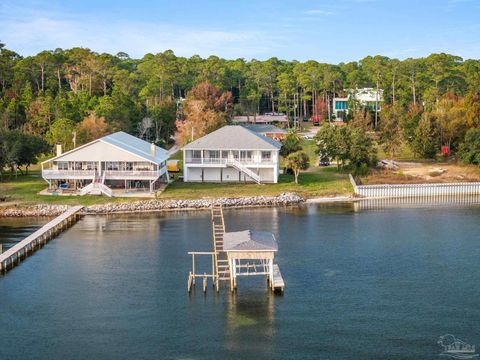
(470, 149)
(362, 151)
(291, 144)
(297, 161)
(61, 132)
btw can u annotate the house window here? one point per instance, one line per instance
(112, 166)
(214, 154)
(196, 154)
(266, 156)
(128, 166)
(246, 155)
(62, 165)
(224, 154)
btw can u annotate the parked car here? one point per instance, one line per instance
(287, 171)
(324, 162)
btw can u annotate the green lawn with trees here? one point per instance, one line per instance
(71, 96)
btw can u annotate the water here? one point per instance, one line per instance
(13, 230)
(370, 284)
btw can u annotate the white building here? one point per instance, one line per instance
(366, 97)
(114, 165)
(232, 154)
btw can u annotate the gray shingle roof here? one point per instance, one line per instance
(249, 240)
(136, 146)
(265, 128)
(234, 137)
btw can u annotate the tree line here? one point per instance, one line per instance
(428, 101)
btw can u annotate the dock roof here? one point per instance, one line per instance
(234, 137)
(249, 240)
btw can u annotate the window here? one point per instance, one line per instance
(246, 155)
(214, 154)
(113, 166)
(62, 165)
(266, 156)
(196, 154)
(224, 154)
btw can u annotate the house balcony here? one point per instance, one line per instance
(134, 174)
(53, 174)
(224, 162)
(109, 174)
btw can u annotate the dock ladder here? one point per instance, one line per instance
(222, 268)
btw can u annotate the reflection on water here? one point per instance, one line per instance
(359, 285)
(250, 317)
(13, 230)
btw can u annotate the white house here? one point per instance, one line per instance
(115, 164)
(367, 97)
(232, 154)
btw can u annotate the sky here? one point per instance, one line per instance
(330, 31)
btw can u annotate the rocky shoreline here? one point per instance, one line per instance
(154, 205)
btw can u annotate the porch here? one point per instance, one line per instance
(224, 157)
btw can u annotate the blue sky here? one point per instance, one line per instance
(324, 30)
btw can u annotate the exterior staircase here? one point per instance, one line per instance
(239, 166)
(97, 187)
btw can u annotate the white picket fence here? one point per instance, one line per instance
(415, 190)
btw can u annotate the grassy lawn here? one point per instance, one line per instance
(315, 183)
(24, 189)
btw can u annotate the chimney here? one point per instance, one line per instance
(59, 149)
(152, 149)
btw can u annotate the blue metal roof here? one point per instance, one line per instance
(136, 146)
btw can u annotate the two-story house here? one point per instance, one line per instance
(114, 164)
(232, 154)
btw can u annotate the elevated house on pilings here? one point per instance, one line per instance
(114, 165)
(232, 153)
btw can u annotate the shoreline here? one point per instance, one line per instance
(145, 206)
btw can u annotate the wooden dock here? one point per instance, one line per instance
(277, 283)
(12, 257)
(227, 263)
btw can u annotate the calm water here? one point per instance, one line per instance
(359, 285)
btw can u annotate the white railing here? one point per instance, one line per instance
(239, 166)
(136, 174)
(50, 173)
(416, 190)
(96, 188)
(209, 161)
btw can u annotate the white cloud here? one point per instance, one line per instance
(33, 32)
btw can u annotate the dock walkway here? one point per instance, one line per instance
(16, 253)
(277, 280)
